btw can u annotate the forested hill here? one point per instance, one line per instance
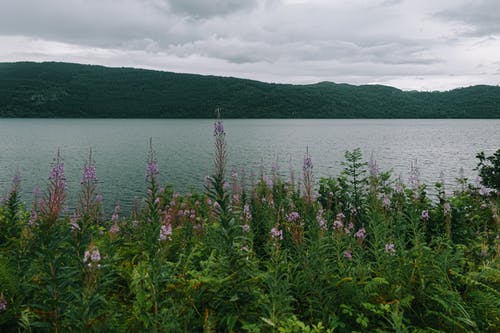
(71, 90)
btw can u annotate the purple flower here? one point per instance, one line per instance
(165, 232)
(293, 217)
(276, 234)
(390, 249)
(115, 229)
(17, 178)
(308, 165)
(425, 214)
(247, 213)
(483, 191)
(92, 257)
(372, 166)
(115, 216)
(219, 128)
(337, 224)
(360, 234)
(57, 171)
(268, 181)
(89, 174)
(33, 218)
(98, 197)
(152, 169)
(399, 188)
(348, 254)
(3, 303)
(320, 217)
(386, 202)
(73, 222)
(245, 227)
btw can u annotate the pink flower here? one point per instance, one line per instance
(276, 234)
(348, 254)
(293, 217)
(165, 232)
(360, 234)
(390, 249)
(425, 214)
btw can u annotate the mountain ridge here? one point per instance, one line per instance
(55, 89)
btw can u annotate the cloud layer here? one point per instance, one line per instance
(412, 44)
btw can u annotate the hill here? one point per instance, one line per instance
(71, 90)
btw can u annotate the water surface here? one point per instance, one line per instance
(185, 149)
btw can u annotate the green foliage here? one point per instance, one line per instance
(222, 270)
(71, 90)
(489, 169)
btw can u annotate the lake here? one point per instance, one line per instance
(184, 149)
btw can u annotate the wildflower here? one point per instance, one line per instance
(33, 218)
(98, 197)
(219, 128)
(247, 213)
(276, 234)
(360, 234)
(348, 254)
(372, 166)
(308, 165)
(293, 217)
(73, 222)
(92, 257)
(321, 220)
(57, 172)
(386, 202)
(337, 224)
(115, 229)
(308, 177)
(268, 181)
(157, 201)
(390, 249)
(225, 185)
(483, 191)
(446, 209)
(244, 248)
(245, 227)
(115, 215)
(3, 303)
(4, 199)
(89, 174)
(425, 214)
(348, 228)
(166, 232)
(414, 176)
(399, 188)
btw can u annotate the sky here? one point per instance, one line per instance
(409, 44)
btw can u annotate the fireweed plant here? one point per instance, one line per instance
(364, 253)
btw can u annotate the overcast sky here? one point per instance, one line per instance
(412, 44)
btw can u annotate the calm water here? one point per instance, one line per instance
(185, 149)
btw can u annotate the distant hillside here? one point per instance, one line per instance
(71, 90)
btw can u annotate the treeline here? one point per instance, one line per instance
(71, 90)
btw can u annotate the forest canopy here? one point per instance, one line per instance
(51, 89)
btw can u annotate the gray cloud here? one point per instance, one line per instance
(381, 41)
(482, 17)
(210, 8)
